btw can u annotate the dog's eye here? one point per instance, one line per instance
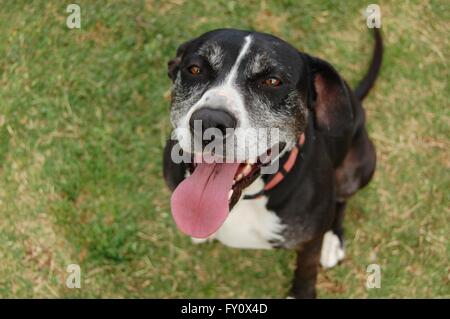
(195, 70)
(272, 82)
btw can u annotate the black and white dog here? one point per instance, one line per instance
(233, 79)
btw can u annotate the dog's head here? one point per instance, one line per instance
(250, 93)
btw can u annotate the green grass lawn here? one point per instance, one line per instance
(83, 117)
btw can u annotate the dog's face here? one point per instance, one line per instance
(252, 81)
(257, 85)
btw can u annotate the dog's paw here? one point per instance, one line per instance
(332, 250)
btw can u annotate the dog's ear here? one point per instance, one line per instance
(331, 98)
(174, 64)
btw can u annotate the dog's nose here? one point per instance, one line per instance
(212, 118)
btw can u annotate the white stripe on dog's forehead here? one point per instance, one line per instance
(242, 53)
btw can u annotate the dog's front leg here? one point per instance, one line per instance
(305, 277)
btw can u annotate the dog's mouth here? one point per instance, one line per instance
(245, 175)
(201, 203)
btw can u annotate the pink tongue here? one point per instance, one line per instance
(200, 202)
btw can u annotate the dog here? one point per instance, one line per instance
(234, 79)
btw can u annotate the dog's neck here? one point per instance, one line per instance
(283, 190)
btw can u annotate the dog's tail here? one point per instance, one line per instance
(368, 81)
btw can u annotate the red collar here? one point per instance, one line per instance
(281, 174)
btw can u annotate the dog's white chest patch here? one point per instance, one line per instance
(250, 224)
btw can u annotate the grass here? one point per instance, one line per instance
(83, 114)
